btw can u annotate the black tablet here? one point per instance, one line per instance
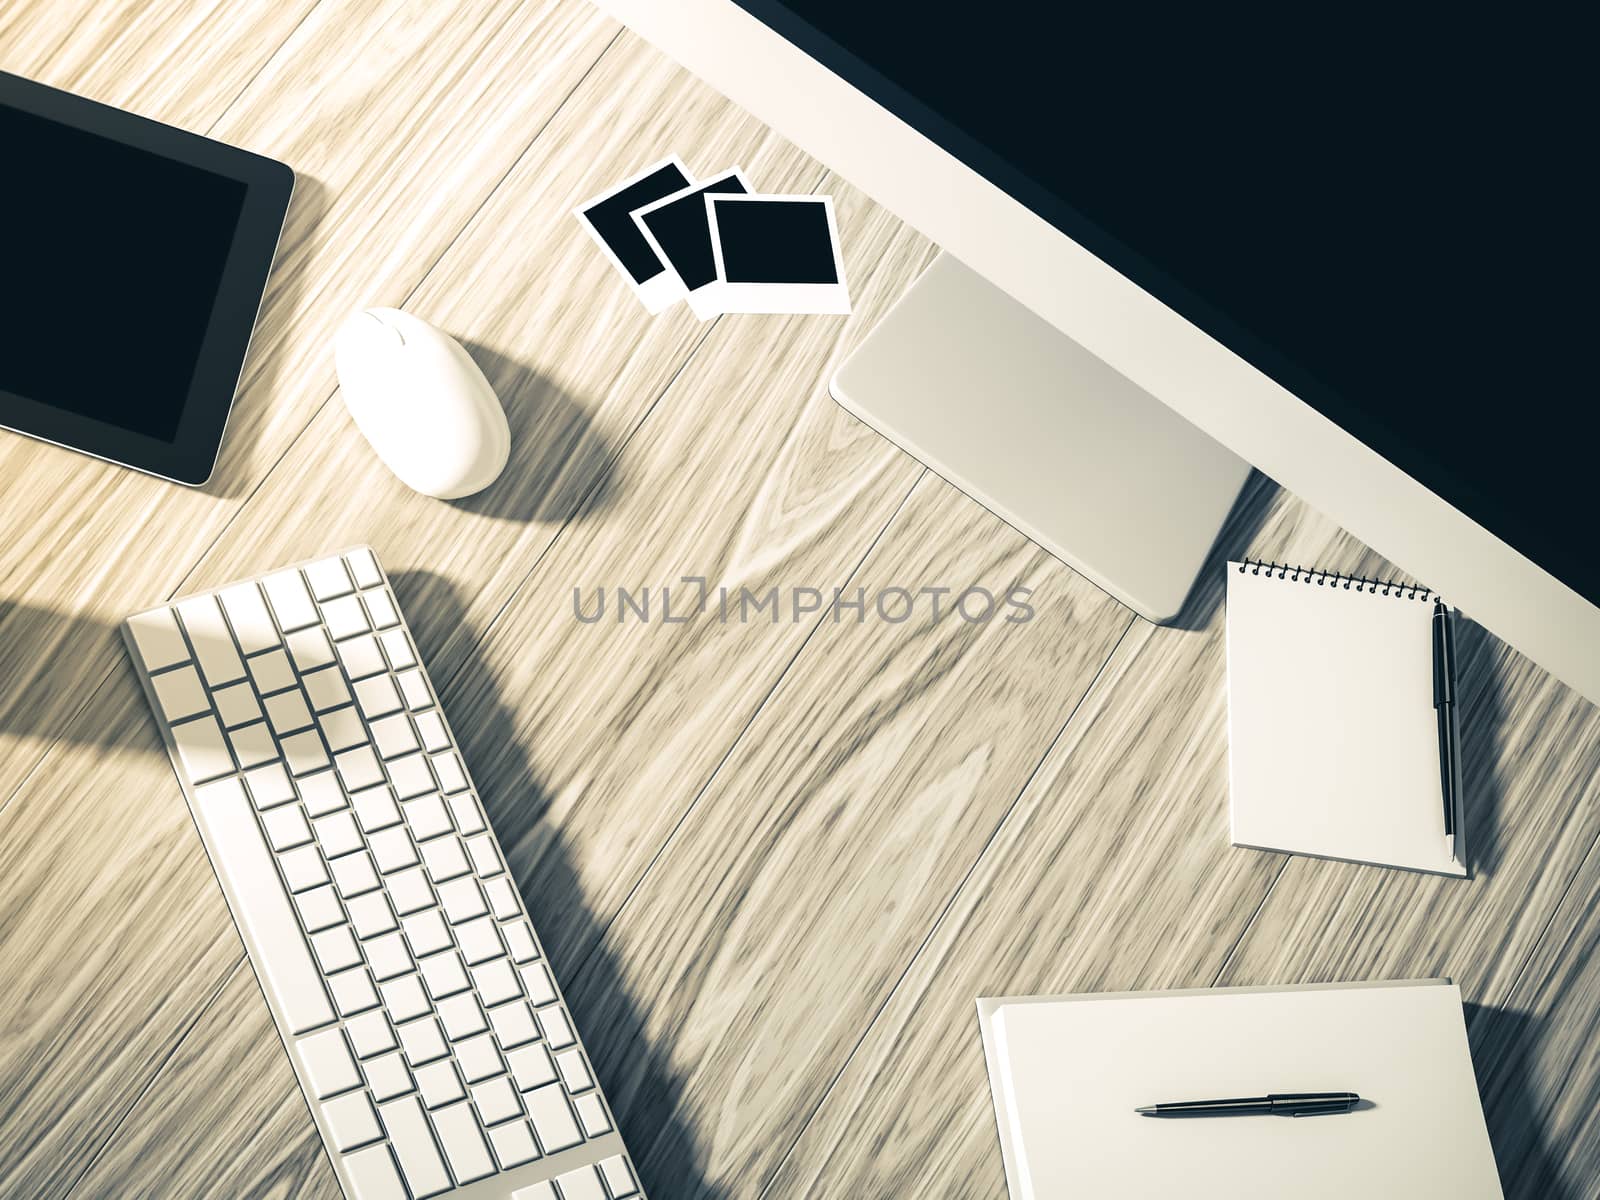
(133, 257)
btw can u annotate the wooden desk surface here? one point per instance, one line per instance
(773, 863)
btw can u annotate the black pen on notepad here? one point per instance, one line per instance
(1293, 1104)
(1444, 708)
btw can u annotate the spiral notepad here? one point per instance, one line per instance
(1333, 745)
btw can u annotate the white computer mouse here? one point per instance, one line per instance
(422, 402)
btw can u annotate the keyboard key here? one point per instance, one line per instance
(397, 647)
(410, 891)
(496, 1101)
(543, 1190)
(536, 978)
(495, 982)
(463, 1143)
(380, 609)
(443, 973)
(327, 578)
(392, 849)
(290, 604)
(513, 1025)
(286, 827)
(439, 1084)
(503, 901)
(552, 1119)
(413, 1144)
(415, 690)
(461, 899)
(393, 735)
(326, 689)
(485, 857)
(370, 915)
(302, 868)
(465, 812)
(321, 793)
(252, 626)
(582, 1184)
(156, 634)
(326, 1061)
(427, 817)
(236, 704)
(288, 713)
(519, 940)
(337, 834)
(352, 1122)
(574, 1071)
(345, 617)
(619, 1178)
(280, 955)
(513, 1144)
(479, 940)
(252, 744)
(388, 957)
(358, 768)
(180, 694)
(271, 672)
(422, 1042)
(360, 656)
(310, 649)
(448, 768)
(404, 998)
(202, 749)
(342, 728)
(213, 644)
(363, 567)
(377, 696)
(304, 752)
(556, 1028)
(353, 874)
(478, 1059)
(373, 1175)
(531, 1066)
(370, 1035)
(375, 808)
(430, 728)
(335, 949)
(461, 1016)
(426, 932)
(319, 908)
(444, 858)
(353, 991)
(410, 776)
(592, 1114)
(269, 785)
(387, 1077)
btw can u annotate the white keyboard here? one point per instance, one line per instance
(434, 1049)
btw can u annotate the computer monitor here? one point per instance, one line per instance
(1351, 249)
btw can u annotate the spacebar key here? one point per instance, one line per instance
(281, 958)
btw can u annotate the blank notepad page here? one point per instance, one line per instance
(1332, 737)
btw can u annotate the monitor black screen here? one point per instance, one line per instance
(1388, 214)
(111, 258)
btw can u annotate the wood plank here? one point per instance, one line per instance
(1113, 872)
(390, 173)
(455, 566)
(777, 920)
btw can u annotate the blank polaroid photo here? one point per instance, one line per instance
(609, 220)
(677, 229)
(777, 254)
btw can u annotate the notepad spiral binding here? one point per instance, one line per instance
(1403, 591)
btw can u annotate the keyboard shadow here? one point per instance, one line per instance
(649, 1117)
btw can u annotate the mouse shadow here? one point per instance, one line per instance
(1503, 1042)
(562, 465)
(1482, 662)
(612, 1026)
(237, 462)
(1245, 521)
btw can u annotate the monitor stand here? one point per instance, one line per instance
(1044, 435)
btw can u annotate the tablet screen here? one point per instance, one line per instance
(111, 260)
